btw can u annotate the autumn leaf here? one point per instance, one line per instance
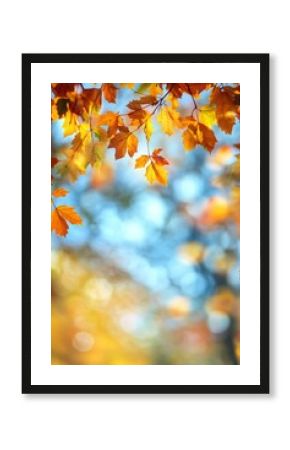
(196, 88)
(111, 119)
(62, 89)
(158, 159)
(69, 214)
(207, 116)
(141, 161)
(168, 118)
(156, 89)
(70, 167)
(148, 128)
(138, 117)
(60, 216)
(109, 92)
(119, 142)
(58, 224)
(60, 192)
(155, 172)
(134, 104)
(92, 97)
(70, 124)
(148, 100)
(198, 134)
(227, 102)
(86, 148)
(132, 144)
(123, 142)
(177, 89)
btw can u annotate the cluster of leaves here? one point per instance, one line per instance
(95, 129)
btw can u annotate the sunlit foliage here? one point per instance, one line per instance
(94, 128)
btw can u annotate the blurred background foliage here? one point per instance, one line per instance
(152, 274)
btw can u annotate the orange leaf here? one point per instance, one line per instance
(227, 102)
(197, 88)
(208, 137)
(60, 192)
(69, 214)
(134, 104)
(138, 116)
(177, 89)
(122, 142)
(198, 134)
(91, 97)
(119, 142)
(160, 160)
(148, 100)
(141, 161)
(58, 224)
(109, 92)
(109, 118)
(132, 143)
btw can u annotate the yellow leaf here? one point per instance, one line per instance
(155, 172)
(207, 116)
(70, 124)
(148, 129)
(141, 161)
(168, 119)
(84, 130)
(155, 89)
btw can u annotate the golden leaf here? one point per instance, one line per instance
(70, 124)
(141, 161)
(155, 172)
(207, 116)
(148, 129)
(168, 118)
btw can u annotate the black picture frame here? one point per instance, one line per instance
(263, 61)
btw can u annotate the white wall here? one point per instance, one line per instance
(171, 422)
